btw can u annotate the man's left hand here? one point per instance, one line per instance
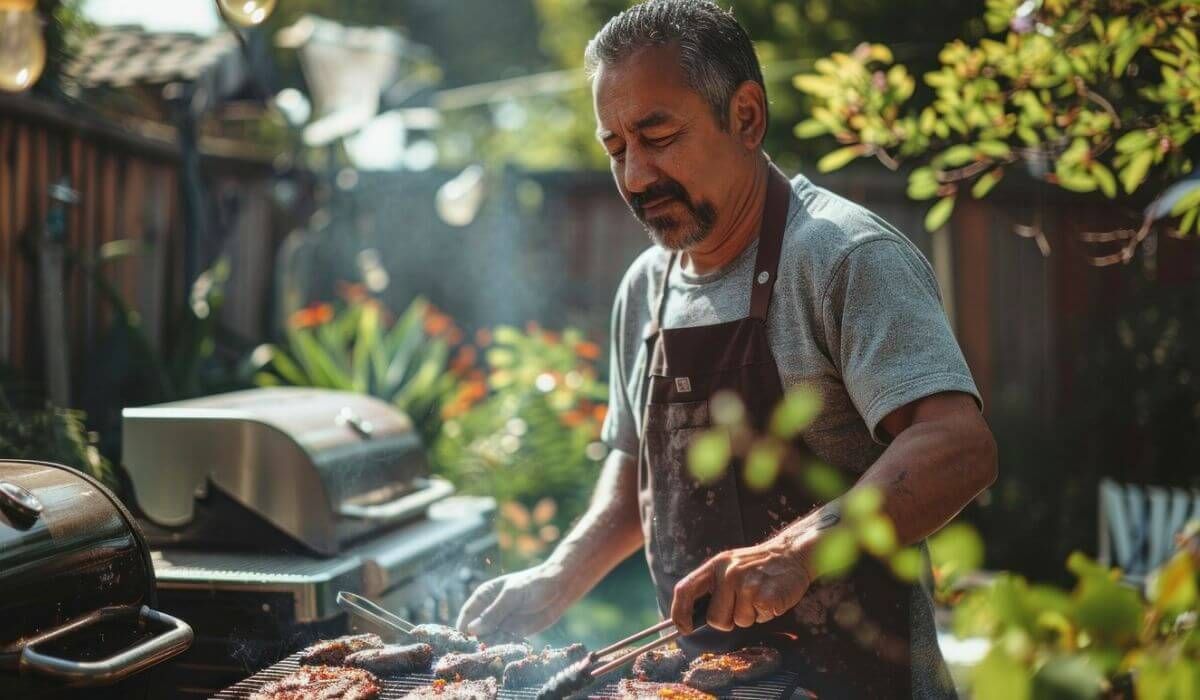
(748, 585)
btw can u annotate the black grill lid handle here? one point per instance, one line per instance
(174, 638)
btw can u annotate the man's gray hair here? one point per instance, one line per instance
(716, 52)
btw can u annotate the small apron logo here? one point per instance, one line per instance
(683, 385)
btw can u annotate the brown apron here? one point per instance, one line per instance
(848, 638)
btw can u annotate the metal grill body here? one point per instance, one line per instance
(780, 686)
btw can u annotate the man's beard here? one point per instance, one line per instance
(672, 231)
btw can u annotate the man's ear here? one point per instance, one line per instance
(748, 114)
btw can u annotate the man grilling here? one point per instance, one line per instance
(757, 284)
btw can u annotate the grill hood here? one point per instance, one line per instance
(321, 468)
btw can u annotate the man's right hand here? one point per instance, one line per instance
(517, 604)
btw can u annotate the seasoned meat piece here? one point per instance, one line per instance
(443, 639)
(630, 689)
(332, 652)
(393, 659)
(715, 671)
(538, 668)
(440, 689)
(660, 665)
(322, 683)
(489, 662)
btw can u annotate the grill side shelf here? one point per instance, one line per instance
(781, 686)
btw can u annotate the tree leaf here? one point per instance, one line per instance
(907, 564)
(1134, 173)
(956, 548)
(810, 128)
(839, 158)
(824, 481)
(939, 213)
(985, 183)
(995, 149)
(1000, 677)
(836, 552)
(955, 156)
(708, 455)
(762, 464)
(922, 184)
(1067, 678)
(797, 410)
(878, 535)
(1105, 179)
(863, 502)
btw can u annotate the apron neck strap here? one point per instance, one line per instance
(770, 241)
(661, 302)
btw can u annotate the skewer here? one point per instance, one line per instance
(371, 610)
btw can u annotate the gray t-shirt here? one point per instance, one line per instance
(856, 315)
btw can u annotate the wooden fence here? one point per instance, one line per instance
(128, 191)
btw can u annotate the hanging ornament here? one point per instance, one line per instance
(247, 13)
(22, 47)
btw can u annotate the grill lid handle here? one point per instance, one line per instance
(175, 638)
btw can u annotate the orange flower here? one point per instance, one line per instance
(436, 323)
(599, 412)
(587, 350)
(464, 359)
(532, 327)
(483, 337)
(454, 336)
(572, 419)
(550, 337)
(472, 392)
(310, 316)
(351, 292)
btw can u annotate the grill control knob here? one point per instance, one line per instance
(19, 502)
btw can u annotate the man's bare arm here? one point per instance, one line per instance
(942, 456)
(528, 601)
(609, 531)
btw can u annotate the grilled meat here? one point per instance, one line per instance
(536, 669)
(322, 683)
(444, 639)
(393, 659)
(487, 663)
(440, 689)
(715, 671)
(660, 665)
(332, 652)
(630, 689)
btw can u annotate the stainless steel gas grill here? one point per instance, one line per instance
(781, 686)
(260, 505)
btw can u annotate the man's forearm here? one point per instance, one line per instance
(929, 473)
(608, 532)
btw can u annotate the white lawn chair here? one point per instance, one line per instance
(1138, 525)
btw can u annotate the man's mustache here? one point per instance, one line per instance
(659, 191)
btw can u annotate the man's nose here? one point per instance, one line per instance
(640, 172)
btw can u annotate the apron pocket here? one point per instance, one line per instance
(690, 521)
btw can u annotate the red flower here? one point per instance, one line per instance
(311, 316)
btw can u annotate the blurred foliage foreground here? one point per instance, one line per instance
(1103, 638)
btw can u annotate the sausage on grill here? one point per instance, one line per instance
(322, 683)
(484, 689)
(715, 671)
(443, 639)
(660, 665)
(630, 689)
(538, 668)
(393, 659)
(487, 663)
(331, 652)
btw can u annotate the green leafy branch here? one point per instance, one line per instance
(1044, 95)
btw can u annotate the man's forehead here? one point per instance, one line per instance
(648, 85)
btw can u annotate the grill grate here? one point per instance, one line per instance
(781, 686)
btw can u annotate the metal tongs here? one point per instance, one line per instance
(583, 673)
(365, 607)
